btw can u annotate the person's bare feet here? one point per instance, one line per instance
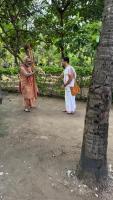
(64, 111)
(27, 110)
(70, 113)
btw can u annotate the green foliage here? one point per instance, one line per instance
(84, 74)
(16, 25)
(91, 10)
(81, 47)
(63, 23)
(81, 71)
(61, 27)
(53, 70)
(9, 71)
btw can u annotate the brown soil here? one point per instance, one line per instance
(39, 152)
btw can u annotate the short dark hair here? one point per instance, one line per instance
(66, 59)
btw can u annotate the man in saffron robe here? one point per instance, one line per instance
(28, 87)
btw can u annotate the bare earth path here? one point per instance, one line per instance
(39, 150)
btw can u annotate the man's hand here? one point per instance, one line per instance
(35, 70)
(65, 85)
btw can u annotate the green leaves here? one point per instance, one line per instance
(9, 71)
(69, 25)
(15, 27)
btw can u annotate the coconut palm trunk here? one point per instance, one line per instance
(0, 96)
(93, 159)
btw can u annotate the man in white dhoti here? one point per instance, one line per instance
(69, 81)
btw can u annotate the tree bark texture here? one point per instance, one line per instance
(0, 96)
(93, 159)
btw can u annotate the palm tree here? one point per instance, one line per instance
(0, 96)
(93, 161)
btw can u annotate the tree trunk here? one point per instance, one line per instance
(0, 96)
(62, 35)
(93, 162)
(16, 60)
(62, 51)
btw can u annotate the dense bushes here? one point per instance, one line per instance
(9, 71)
(47, 79)
(83, 73)
(53, 70)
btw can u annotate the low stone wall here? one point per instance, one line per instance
(48, 86)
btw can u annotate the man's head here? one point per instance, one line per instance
(27, 62)
(65, 62)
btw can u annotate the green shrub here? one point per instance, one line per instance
(53, 70)
(81, 71)
(9, 71)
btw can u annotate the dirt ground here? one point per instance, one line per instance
(39, 152)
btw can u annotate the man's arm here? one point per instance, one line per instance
(61, 76)
(69, 80)
(26, 73)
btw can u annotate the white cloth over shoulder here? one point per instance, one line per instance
(70, 103)
(69, 70)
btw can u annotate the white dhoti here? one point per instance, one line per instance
(70, 103)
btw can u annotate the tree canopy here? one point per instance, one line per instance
(64, 24)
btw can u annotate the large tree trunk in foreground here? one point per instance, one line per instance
(62, 48)
(0, 96)
(93, 162)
